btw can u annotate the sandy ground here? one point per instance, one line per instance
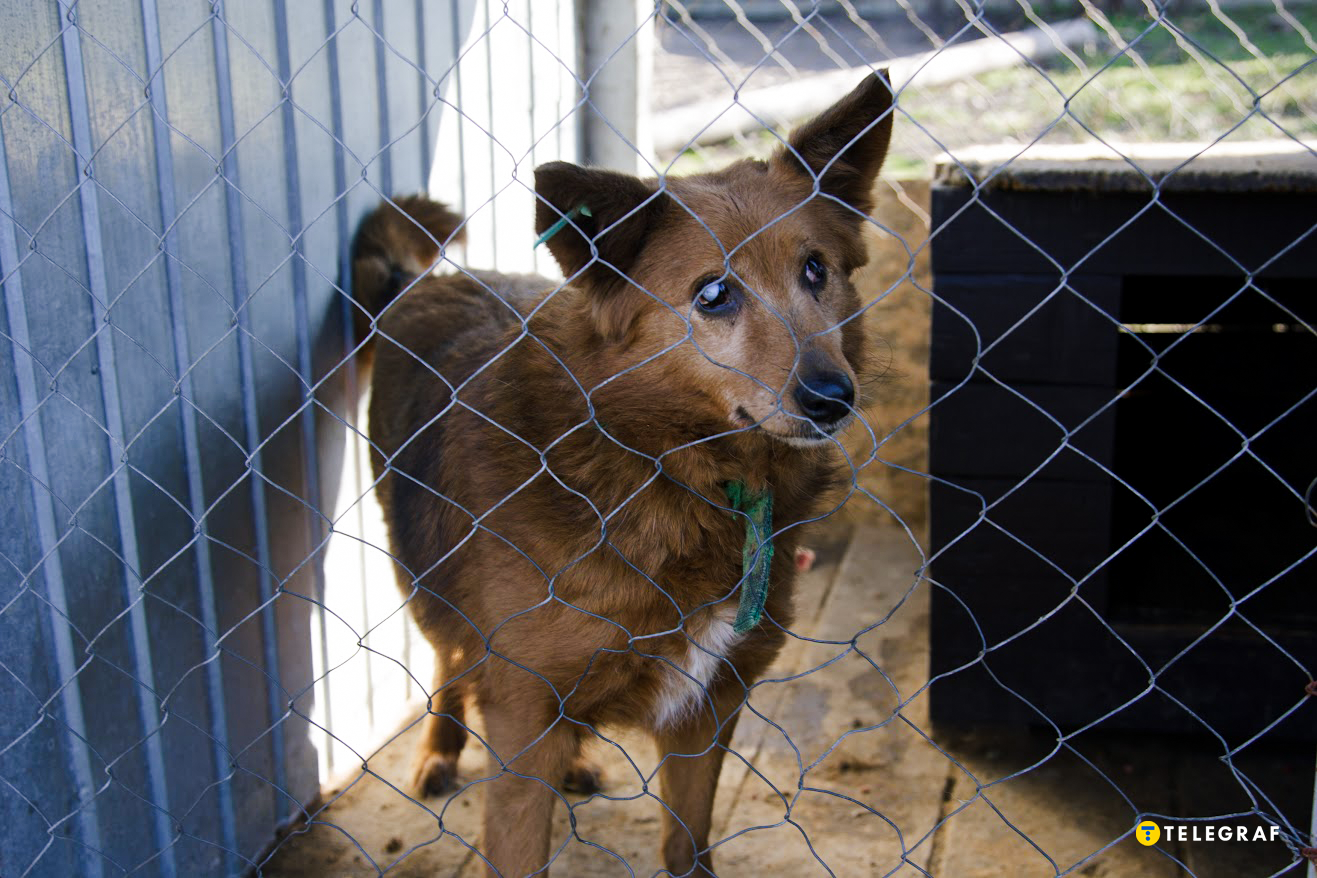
(837, 769)
(890, 449)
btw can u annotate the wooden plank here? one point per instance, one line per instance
(1155, 595)
(1065, 523)
(1069, 339)
(1075, 662)
(1072, 671)
(984, 430)
(1235, 680)
(1034, 233)
(999, 575)
(1063, 665)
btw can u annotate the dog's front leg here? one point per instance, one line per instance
(519, 801)
(692, 759)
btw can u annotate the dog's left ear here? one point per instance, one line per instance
(844, 146)
(594, 221)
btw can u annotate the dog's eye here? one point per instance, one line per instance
(814, 275)
(713, 297)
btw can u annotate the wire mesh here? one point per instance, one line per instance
(205, 671)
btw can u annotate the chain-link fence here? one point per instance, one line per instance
(1053, 579)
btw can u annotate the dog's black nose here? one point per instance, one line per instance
(825, 397)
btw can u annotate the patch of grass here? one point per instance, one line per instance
(1164, 40)
(1186, 77)
(900, 166)
(711, 157)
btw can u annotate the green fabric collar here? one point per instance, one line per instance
(756, 554)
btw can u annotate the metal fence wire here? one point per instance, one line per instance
(1064, 586)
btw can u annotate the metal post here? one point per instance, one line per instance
(617, 40)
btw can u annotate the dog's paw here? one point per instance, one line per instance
(584, 778)
(434, 773)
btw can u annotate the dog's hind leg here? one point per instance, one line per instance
(444, 732)
(692, 759)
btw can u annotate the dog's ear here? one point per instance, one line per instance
(605, 212)
(844, 146)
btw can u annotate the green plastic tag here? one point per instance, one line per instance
(756, 554)
(558, 226)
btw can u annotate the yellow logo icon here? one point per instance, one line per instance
(1147, 832)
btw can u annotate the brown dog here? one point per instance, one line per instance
(555, 463)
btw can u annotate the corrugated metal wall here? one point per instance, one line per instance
(177, 186)
(519, 101)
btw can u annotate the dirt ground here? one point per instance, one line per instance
(836, 769)
(895, 285)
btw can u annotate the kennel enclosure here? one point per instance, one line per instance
(1120, 405)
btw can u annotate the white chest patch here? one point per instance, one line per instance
(711, 638)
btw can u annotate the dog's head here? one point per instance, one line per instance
(737, 281)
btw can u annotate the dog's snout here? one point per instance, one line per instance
(825, 397)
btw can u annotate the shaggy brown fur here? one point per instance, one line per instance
(553, 464)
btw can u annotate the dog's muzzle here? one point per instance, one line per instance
(825, 397)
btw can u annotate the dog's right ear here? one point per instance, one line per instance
(606, 212)
(844, 146)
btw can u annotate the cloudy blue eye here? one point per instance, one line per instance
(814, 275)
(713, 296)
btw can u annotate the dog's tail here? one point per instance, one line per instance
(393, 246)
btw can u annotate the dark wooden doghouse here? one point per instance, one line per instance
(1125, 424)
